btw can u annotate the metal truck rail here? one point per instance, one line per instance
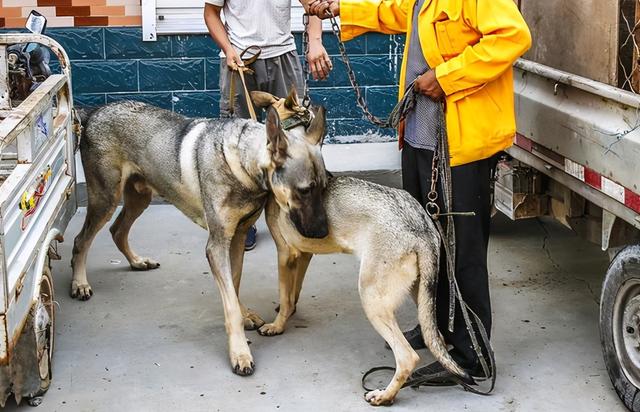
(37, 200)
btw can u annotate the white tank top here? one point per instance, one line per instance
(264, 23)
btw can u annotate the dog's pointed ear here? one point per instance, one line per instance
(316, 130)
(291, 101)
(263, 99)
(276, 138)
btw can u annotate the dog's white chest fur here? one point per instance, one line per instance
(188, 166)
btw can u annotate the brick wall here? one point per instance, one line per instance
(69, 13)
(181, 73)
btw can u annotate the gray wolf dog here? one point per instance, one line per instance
(399, 248)
(217, 172)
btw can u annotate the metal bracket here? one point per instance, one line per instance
(149, 29)
(608, 220)
(5, 102)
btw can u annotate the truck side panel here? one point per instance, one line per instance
(588, 45)
(37, 200)
(585, 127)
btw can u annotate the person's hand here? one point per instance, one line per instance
(428, 85)
(318, 60)
(321, 8)
(233, 59)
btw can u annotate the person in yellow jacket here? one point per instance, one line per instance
(460, 52)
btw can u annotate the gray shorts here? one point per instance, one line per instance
(275, 75)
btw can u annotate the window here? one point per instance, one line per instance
(185, 17)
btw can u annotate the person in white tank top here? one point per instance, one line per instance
(267, 24)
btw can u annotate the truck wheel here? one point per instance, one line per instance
(44, 328)
(620, 325)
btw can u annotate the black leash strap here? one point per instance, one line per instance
(442, 164)
(488, 368)
(371, 372)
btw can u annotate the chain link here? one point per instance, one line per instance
(360, 100)
(398, 113)
(306, 100)
(432, 207)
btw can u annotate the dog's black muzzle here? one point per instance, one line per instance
(311, 219)
(314, 227)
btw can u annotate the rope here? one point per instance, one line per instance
(240, 70)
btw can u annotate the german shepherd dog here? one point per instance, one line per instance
(217, 172)
(397, 243)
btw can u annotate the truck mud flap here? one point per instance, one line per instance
(21, 376)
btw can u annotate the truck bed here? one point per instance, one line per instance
(37, 197)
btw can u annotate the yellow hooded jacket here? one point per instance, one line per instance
(472, 45)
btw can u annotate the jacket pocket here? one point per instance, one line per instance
(486, 121)
(487, 92)
(453, 36)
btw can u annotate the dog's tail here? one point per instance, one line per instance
(84, 113)
(428, 263)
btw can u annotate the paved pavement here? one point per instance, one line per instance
(155, 341)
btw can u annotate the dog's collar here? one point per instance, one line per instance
(302, 118)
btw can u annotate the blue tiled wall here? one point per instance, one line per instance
(181, 73)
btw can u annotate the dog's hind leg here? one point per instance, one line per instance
(382, 288)
(104, 191)
(252, 320)
(137, 197)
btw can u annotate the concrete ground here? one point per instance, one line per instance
(155, 341)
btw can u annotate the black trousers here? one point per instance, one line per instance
(471, 191)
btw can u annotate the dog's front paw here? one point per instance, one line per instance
(378, 397)
(271, 329)
(252, 320)
(81, 291)
(144, 263)
(243, 365)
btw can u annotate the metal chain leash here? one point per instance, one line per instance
(432, 207)
(399, 112)
(361, 102)
(306, 100)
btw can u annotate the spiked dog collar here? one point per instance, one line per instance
(301, 118)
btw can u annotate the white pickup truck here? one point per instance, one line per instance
(37, 200)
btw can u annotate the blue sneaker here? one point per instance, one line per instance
(250, 241)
